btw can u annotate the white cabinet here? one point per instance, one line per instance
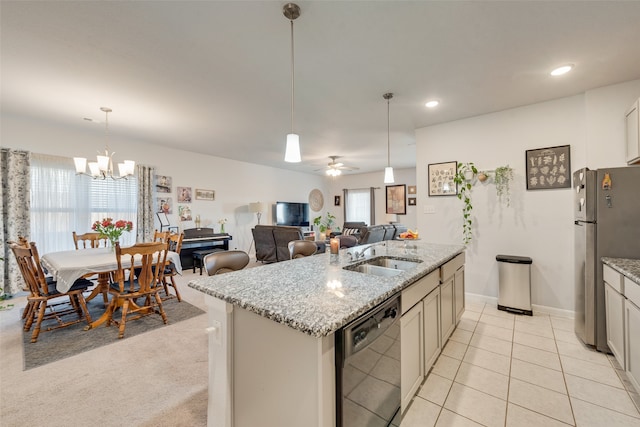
(614, 302)
(432, 343)
(458, 293)
(411, 353)
(632, 122)
(447, 313)
(632, 324)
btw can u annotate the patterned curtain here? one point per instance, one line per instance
(145, 225)
(14, 205)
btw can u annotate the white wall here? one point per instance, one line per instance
(374, 179)
(236, 183)
(539, 224)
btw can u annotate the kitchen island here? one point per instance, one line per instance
(272, 328)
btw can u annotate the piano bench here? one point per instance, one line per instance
(199, 255)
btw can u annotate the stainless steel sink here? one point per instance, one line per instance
(389, 262)
(373, 269)
(383, 266)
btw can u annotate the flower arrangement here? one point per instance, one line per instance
(222, 222)
(112, 230)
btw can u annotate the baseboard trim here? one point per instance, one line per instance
(540, 309)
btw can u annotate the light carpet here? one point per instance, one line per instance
(65, 342)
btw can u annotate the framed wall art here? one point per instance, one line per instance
(336, 200)
(165, 205)
(396, 199)
(412, 201)
(163, 184)
(441, 181)
(184, 194)
(209, 195)
(411, 189)
(548, 168)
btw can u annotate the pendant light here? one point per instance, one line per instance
(292, 154)
(388, 171)
(103, 167)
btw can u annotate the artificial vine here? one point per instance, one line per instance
(503, 175)
(464, 194)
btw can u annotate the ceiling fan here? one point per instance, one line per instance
(335, 168)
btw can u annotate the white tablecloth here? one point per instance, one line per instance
(68, 266)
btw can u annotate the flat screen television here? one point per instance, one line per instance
(291, 213)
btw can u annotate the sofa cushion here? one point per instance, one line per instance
(283, 235)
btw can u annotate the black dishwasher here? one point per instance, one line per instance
(368, 368)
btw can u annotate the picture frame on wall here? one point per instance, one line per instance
(163, 184)
(165, 205)
(411, 189)
(412, 201)
(209, 195)
(336, 200)
(184, 194)
(548, 168)
(396, 199)
(440, 179)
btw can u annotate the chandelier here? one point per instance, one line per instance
(103, 167)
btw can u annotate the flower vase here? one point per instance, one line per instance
(113, 242)
(222, 228)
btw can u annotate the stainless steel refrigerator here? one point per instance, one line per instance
(607, 224)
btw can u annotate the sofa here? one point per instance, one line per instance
(367, 234)
(272, 242)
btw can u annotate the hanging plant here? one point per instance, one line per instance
(463, 178)
(503, 176)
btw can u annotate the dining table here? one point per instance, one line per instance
(68, 266)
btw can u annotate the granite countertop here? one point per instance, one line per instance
(316, 297)
(628, 267)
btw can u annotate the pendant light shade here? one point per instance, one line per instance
(292, 154)
(388, 171)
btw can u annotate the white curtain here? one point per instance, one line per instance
(357, 205)
(14, 221)
(146, 190)
(62, 202)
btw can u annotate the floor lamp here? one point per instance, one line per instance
(257, 209)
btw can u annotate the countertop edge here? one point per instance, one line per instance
(626, 266)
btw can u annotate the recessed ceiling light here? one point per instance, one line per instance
(562, 70)
(432, 104)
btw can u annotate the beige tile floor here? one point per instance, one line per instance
(501, 369)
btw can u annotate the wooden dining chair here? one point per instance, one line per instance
(225, 262)
(45, 301)
(139, 280)
(161, 236)
(301, 248)
(170, 271)
(89, 240)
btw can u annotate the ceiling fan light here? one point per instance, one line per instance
(562, 70)
(388, 175)
(432, 104)
(292, 153)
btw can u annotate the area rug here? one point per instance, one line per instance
(65, 342)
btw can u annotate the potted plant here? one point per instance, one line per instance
(464, 175)
(324, 225)
(502, 178)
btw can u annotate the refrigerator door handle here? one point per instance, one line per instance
(578, 223)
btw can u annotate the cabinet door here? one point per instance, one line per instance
(412, 353)
(458, 281)
(614, 313)
(633, 137)
(447, 310)
(632, 335)
(432, 347)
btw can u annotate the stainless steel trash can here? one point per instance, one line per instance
(514, 293)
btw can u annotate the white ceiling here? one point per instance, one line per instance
(214, 77)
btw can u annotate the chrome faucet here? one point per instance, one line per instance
(355, 256)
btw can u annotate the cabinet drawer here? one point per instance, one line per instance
(632, 291)
(451, 267)
(420, 289)
(613, 278)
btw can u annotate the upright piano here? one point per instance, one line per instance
(200, 239)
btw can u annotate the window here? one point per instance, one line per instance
(358, 205)
(62, 202)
